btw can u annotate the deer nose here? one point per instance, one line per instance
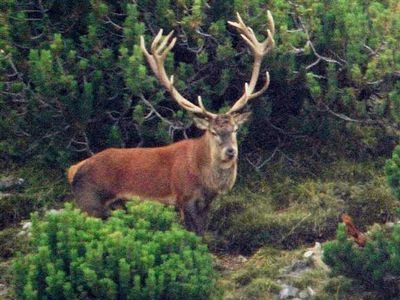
(230, 153)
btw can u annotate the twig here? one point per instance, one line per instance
(115, 25)
(258, 165)
(319, 56)
(294, 227)
(84, 143)
(347, 118)
(173, 125)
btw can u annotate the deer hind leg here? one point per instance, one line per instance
(92, 202)
(90, 198)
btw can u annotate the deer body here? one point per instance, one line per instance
(186, 174)
(182, 174)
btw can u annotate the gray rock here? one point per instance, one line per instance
(8, 183)
(389, 225)
(304, 294)
(3, 290)
(297, 266)
(288, 292)
(5, 195)
(241, 259)
(311, 292)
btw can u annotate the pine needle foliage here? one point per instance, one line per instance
(392, 169)
(139, 254)
(377, 265)
(72, 76)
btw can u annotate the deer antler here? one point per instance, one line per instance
(156, 60)
(259, 49)
(160, 50)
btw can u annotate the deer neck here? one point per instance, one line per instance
(217, 177)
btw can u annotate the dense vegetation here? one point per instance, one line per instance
(139, 254)
(73, 82)
(73, 79)
(392, 169)
(377, 265)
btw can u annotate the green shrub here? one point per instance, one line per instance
(72, 74)
(139, 254)
(376, 266)
(392, 169)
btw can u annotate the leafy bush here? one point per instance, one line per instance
(139, 254)
(376, 266)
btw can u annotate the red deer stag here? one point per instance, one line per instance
(187, 174)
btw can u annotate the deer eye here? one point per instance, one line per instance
(213, 132)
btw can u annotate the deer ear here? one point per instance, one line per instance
(241, 118)
(201, 123)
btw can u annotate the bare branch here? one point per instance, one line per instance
(173, 125)
(78, 145)
(259, 163)
(347, 118)
(115, 25)
(311, 45)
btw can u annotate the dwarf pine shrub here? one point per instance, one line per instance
(377, 265)
(392, 170)
(141, 253)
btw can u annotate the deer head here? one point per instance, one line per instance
(220, 129)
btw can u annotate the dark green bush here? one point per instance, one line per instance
(73, 77)
(392, 169)
(376, 266)
(139, 254)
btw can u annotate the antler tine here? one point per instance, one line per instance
(263, 89)
(200, 101)
(159, 51)
(271, 24)
(164, 43)
(242, 101)
(155, 41)
(259, 49)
